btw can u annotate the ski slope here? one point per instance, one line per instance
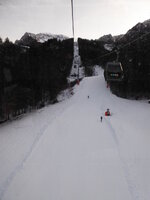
(64, 152)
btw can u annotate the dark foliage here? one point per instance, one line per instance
(135, 59)
(32, 76)
(134, 56)
(91, 52)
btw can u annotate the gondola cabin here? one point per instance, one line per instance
(113, 72)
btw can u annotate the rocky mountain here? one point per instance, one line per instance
(107, 38)
(29, 38)
(139, 30)
(117, 37)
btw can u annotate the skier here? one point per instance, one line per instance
(101, 118)
(88, 96)
(78, 81)
(107, 113)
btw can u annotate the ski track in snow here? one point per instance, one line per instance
(113, 138)
(20, 165)
(131, 185)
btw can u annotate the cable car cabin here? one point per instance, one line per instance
(113, 72)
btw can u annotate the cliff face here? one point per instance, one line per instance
(29, 38)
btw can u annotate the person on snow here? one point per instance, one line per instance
(107, 113)
(78, 81)
(101, 118)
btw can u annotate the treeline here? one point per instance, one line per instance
(31, 76)
(135, 59)
(91, 52)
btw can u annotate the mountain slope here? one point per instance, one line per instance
(135, 32)
(27, 38)
(74, 155)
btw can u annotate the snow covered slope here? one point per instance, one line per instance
(65, 152)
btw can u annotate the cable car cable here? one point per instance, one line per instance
(72, 18)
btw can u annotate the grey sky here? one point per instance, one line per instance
(93, 18)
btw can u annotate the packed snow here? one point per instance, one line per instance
(64, 151)
(108, 47)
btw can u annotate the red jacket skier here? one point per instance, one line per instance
(107, 113)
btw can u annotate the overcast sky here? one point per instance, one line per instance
(93, 18)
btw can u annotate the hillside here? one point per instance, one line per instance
(133, 49)
(64, 152)
(29, 38)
